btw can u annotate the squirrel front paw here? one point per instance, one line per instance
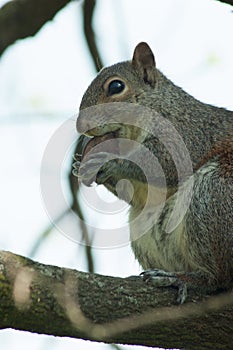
(93, 167)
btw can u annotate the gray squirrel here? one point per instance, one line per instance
(198, 251)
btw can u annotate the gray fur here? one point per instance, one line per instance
(202, 242)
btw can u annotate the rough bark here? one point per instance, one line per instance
(63, 302)
(22, 18)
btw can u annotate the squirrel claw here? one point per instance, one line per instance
(182, 292)
(76, 165)
(77, 157)
(87, 170)
(161, 278)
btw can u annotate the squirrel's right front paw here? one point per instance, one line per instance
(87, 170)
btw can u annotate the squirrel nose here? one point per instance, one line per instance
(83, 123)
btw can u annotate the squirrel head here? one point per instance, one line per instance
(125, 81)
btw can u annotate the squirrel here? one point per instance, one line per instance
(198, 252)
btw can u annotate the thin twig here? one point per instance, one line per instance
(75, 206)
(88, 11)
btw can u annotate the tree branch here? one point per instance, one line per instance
(229, 2)
(22, 18)
(64, 302)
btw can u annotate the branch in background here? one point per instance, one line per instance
(63, 302)
(85, 236)
(46, 233)
(75, 206)
(20, 19)
(88, 11)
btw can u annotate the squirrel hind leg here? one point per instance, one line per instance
(182, 280)
(161, 278)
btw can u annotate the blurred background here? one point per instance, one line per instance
(42, 80)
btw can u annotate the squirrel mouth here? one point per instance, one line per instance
(105, 143)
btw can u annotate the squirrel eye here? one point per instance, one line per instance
(115, 87)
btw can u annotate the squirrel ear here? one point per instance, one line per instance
(144, 62)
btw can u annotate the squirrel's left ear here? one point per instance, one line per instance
(144, 62)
